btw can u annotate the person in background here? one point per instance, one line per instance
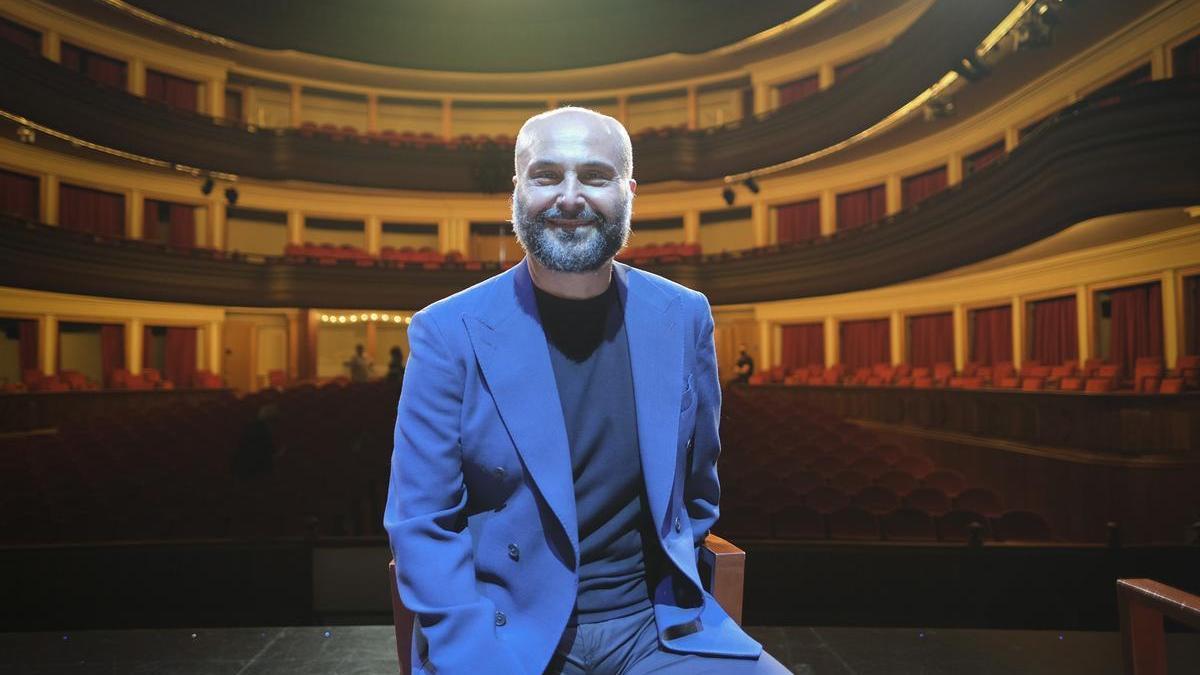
(745, 365)
(395, 372)
(360, 365)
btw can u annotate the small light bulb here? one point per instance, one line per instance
(374, 316)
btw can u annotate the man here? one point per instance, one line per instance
(745, 365)
(360, 365)
(554, 471)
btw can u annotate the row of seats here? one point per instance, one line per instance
(33, 380)
(1095, 375)
(666, 253)
(900, 525)
(425, 139)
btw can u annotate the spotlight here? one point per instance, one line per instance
(26, 135)
(751, 185)
(728, 195)
(207, 188)
(231, 196)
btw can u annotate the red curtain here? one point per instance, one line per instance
(991, 339)
(176, 92)
(1136, 324)
(980, 160)
(847, 69)
(1186, 58)
(803, 345)
(180, 364)
(181, 222)
(855, 209)
(865, 342)
(1191, 310)
(91, 210)
(798, 222)
(797, 90)
(918, 188)
(233, 105)
(1054, 335)
(23, 37)
(19, 194)
(112, 350)
(100, 68)
(28, 344)
(931, 339)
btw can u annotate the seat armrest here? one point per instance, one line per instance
(722, 568)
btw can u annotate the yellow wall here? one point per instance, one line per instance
(719, 107)
(81, 352)
(402, 239)
(329, 110)
(495, 248)
(252, 236)
(733, 235)
(335, 346)
(336, 237)
(10, 360)
(492, 121)
(654, 237)
(410, 117)
(658, 112)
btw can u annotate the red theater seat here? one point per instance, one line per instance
(876, 499)
(1071, 384)
(980, 500)
(888, 452)
(853, 523)
(827, 465)
(898, 482)
(826, 499)
(907, 524)
(871, 467)
(799, 522)
(930, 500)
(916, 465)
(1171, 385)
(849, 482)
(1099, 384)
(805, 481)
(948, 481)
(1033, 384)
(956, 526)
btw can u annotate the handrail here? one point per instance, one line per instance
(1143, 603)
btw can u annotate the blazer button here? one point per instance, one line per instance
(499, 471)
(678, 525)
(501, 619)
(514, 552)
(691, 443)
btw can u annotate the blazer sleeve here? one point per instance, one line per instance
(425, 516)
(702, 490)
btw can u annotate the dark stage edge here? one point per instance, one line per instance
(370, 650)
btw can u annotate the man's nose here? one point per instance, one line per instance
(570, 199)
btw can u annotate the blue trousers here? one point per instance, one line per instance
(629, 645)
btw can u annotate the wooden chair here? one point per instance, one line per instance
(1143, 603)
(722, 568)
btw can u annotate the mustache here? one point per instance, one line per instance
(555, 213)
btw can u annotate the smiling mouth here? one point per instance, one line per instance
(570, 224)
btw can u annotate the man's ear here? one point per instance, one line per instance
(514, 180)
(632, 186)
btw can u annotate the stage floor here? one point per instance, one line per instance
(367, 650)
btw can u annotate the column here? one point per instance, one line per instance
(772, 226)
(216, 97)
(892, 194)
(49, 199)
(828, 213)
(1160, 65)
(48, 343)
(831, 342)
(960, 337)
(1011, 136)
(765, 349)
(294, 336)
(954, 169)
(825, 74)
(133, 345)
(212, 346)
(623, 109)
(295, 227)
(1083, 314)
(1172, 315)
(454, 234)
(135, 216)
(137, 77)
(896, 334)
(1018, 331)
(51, 46)
(218, 224)
(693, 108)
(373, 112)
(760, 216)
(762, 98)
(372, 340)
(691, 226)
(294, 105)
(447, 119)
(374, 227)
(307, 323)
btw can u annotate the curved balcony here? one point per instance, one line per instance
(933, 45)
(1129, 151)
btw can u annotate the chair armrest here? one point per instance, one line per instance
(722, 569)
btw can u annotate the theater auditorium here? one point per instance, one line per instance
(950, 249)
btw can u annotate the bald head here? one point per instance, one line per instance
(603, 135)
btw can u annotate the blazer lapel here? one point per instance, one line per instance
(510, 346)
(652, 323)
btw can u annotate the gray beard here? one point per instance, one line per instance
(581, 249)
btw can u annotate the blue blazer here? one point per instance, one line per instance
(481, 504)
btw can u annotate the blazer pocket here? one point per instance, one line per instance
(688, 399)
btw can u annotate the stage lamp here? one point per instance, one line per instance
(207, 187)
(728, 195)
(231, 196)
(751, 185)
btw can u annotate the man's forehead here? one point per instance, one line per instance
(571, 138)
